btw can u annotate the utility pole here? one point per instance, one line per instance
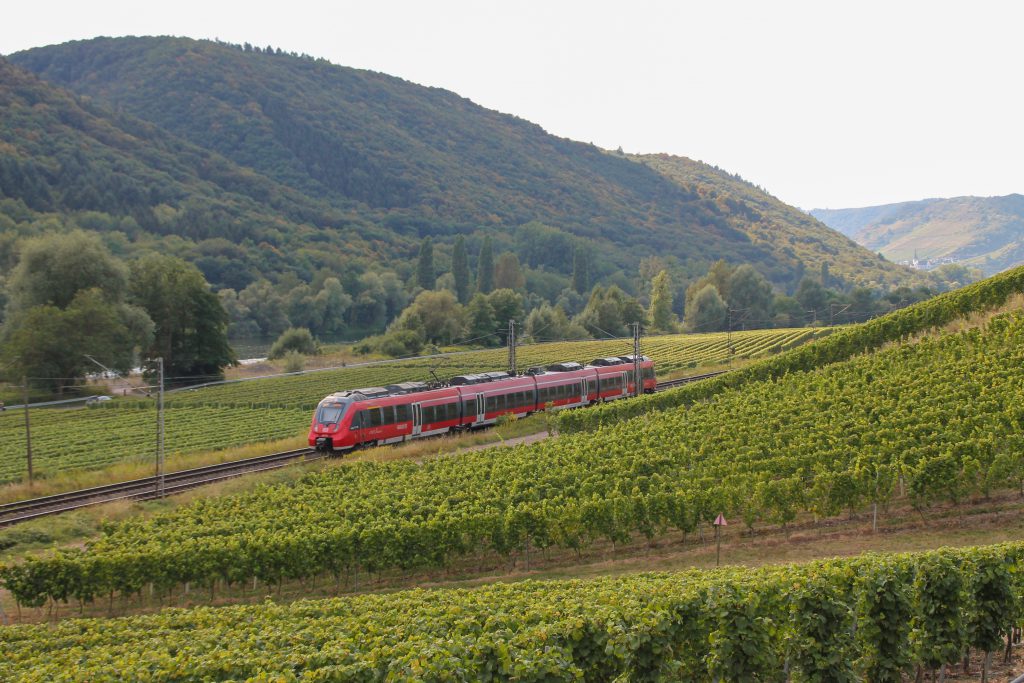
(637, 370)
(28, 427)
(160, 431)
(512, 348)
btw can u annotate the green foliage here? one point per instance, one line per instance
(707, 311)
(297, 339)
(660, 313)
(508, 274)
(54, 268)
(437, 317)
(733, 624)
(294, 361)
(610, 312)
(460, 270)
(191, 324)
(426, 276)
(485, 267)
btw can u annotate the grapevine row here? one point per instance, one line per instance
(873, 617)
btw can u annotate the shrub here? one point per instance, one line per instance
(294, 339)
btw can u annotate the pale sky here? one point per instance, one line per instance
(824, 104)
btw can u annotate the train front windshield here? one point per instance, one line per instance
(331, 413)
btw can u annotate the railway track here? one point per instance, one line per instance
(147, 488)
(669, 384)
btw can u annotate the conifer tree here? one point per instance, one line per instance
(485, 268)
(660, 313)
(460, 270)
(426, 277)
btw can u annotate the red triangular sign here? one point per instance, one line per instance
(720, 520)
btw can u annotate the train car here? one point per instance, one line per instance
(380, 415)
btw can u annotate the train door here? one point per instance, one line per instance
(625, 384)
(479, 408)
(583, 390)
(417, 419)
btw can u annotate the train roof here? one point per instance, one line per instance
(403, 388)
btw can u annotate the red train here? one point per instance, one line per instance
(400, 412)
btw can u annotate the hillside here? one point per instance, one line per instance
(63, 158)
(984, 232)
(787, 231)
(412, 161)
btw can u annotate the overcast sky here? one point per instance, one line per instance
(821, 103)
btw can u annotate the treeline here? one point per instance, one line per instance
(71, 309)
(941, 310)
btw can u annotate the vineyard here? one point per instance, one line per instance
(982, 296)
(873, 617)
(935, 421)
(230, 415)
(670, 352)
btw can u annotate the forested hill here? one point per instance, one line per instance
(784, 229)
(64, 158)
(408, 161)
(985, 232)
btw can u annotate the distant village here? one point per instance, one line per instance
(928, 264)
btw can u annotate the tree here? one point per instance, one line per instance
(426, 277)
(507, 305)
(750, 294)
(481, 326)
(50, 345)
(507, 272)
(331, 304)
(812, 297)
(485, 267)
(547, 322)
(460, 269)
(580, 269)
(718, 276)
(191, 324)
(662, 318)
(610, 312)
(266, 308)
(54, 268)
(707, 311)
(436, 316)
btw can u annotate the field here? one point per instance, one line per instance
(233, 414)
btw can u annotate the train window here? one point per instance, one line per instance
(491, 404)
(403, 413)
(358, 419)
(647, 373)
(428, 414)
(453, 411)
(376, 417)
(469, 407)
(591, 386)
